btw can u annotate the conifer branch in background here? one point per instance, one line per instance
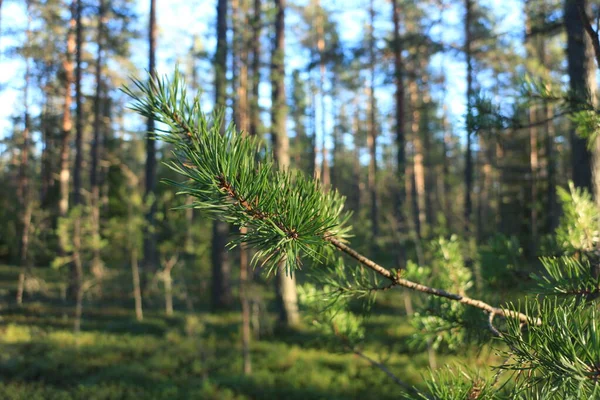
(287, 215)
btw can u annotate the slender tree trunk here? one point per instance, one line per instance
(168, 266)
(76, 266)
(23, 190)
(242, 112)
(97, 265)
(316, 171)
(255, 75)
(319, 27)
(372, 136)
(286, 282)
(356, 127)
(67, 122)
(533, 136)
(582, 82)
(446, 144)
(418, 160)
(551, 202)
(468, 153)
(221, 268)
(48, 145)
(400, 135)
(150, 260)
(137, 288)
(77, 185)
(77, 262)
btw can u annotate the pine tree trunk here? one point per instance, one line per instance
(468, 210)
(400, 135)
(150, 260)
(533, 139)
(446, 144)
(76, 284)
(551, 201)
(242, 112)
(286, 283)
(67, 122)
(23, 190)
(137, 289)
(484, 193)
(221, 268)
(356, 127)
(582, 82)
(418, 160)
(47, 149)
(255, 74)
(77, 185)
(372, 135)
(325, 170)
(168, 266)
(97, 265)
(78, 266)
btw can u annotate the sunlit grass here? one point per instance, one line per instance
(195, 355)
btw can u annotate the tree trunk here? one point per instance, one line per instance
(446, 143)
(319, 27)
(255, 77)
(150, 260)
(418, 160)
(372, 135)
(242, 112)
(533, 136)
(468, 153)
(583, 83)
(551, 201)
(23, 190)
(286, 283)
(77, 185)
(76, 284)
(97, 265)
(221, 268)
(357, 186)
(47, 149)
(168, 266)
(400, 135)
(137, 289)
(67, 123)
(78, 266)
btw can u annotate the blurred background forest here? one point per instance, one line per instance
(107, 291)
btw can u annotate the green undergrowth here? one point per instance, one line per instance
(197, 355)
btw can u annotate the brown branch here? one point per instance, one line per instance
(426, 289)
(590, 31)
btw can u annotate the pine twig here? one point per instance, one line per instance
(426, 289)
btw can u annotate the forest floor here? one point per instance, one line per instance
(194, 355)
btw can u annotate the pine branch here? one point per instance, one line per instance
(287, 214)
(429, 290)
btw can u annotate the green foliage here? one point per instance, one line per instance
(500, 260)
(456, 384)
(287, 215)
(336, 320)
(580, 223)
(443, 324)
(567, 276)
(89, 242)
(560, 355)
